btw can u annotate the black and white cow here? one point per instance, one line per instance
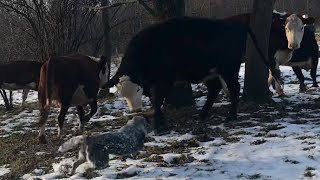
(19, 75)
(306, 57)
(186, 49)
(289, 44)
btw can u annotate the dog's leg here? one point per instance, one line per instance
(81, 159)
(98, 156)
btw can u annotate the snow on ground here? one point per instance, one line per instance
(286, 148)
(4, 170)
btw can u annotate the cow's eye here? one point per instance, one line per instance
(103, 70)
(302, 28)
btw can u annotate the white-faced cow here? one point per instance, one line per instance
(289, 44)
(186, 49)
(20, 75)
(72, 80)
(131, 93)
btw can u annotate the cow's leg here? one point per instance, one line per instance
(25, 92)
(214, 87)
(157, 95)
(91, 92)
(278, 86)
(62, 114)
(81, 114)
(300, 77)
(224, 88)
(313, 74)
(234, 88)
(44, 113)
(65, 100)
(93, 109)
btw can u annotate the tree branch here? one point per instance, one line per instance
(147, 8)
(109, 6)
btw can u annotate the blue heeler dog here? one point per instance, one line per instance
(96, 148)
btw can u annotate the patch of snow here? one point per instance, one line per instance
(4, 169)
(40, 153)
(168, 158)
(103, 118)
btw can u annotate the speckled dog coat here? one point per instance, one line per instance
(96, 148)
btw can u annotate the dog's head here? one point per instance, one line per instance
(141, 122)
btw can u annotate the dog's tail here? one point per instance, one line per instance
(72, 143)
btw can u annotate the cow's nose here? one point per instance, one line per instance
(293, 46)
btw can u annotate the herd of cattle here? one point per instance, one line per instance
(190, 49)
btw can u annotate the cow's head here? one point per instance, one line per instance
(294, 28)
(104, 70)
(131, 92)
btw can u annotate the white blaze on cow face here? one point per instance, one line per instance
(294, 28)
(131, 92)
(104, 72)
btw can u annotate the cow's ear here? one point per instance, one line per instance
(103, 60)
(309, 20)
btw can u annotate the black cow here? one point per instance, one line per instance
(186, 49)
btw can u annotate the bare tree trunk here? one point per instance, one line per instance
(255, 84)
(107, 34)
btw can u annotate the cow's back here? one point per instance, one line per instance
(20, 73)
(185, 48)
(74, 69)
(75, 74)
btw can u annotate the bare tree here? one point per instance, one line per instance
(255, 84)
(56, 26)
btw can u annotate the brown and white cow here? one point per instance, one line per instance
(72, 80)
(20, 75)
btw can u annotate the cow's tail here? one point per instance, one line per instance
(49, 81)
(116, 78)
(73, 143)
(275, 73)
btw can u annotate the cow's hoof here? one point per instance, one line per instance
(86, 118)
(315, 85)
(160, 127)
(231, 118)
(203, 115)
(161, 131)
(281, 94)
(269, 93)
(303, 89)
(43, 139)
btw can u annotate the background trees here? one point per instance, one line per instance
(35, 29)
